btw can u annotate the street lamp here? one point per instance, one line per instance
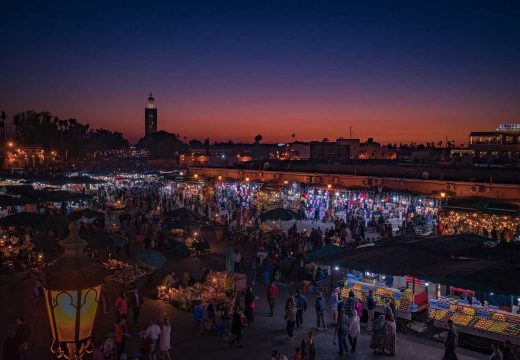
(72, 294)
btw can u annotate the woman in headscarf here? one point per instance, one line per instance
(389, 335)
(376, 343)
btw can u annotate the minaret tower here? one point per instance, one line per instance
(150, 117)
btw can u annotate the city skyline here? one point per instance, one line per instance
(397, 73)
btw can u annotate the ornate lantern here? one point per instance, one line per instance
(72, 293)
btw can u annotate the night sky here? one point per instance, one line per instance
(396, 71)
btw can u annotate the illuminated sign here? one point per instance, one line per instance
(509, 127)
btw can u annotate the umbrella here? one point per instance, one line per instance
(37, 221)
(280, 214)
(183, 213)
(151, 258)
(86, 213)
(103, 239)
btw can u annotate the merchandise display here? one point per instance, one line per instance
(475, 316)
(217, 289)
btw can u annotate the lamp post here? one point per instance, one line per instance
(72, 294)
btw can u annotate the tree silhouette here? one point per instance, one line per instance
(258, 138)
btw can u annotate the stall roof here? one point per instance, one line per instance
(460, 260)
(483, 205)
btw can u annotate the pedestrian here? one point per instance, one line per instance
(496, 354)
(237, 329)
(153, 331)
(289, 299)
(271, 293)
(10, 348)
(354, 331)
(389, 336)
(359, 308)
(320, 311)
(165, 339)
(290, 318)
(136, 300)
(301, 306)
(253, 264)
(309, 347)
(376, 342)
(249, 305)
(297, 354)
(120, 333)
(371, 305)
(121, 306)
(23, 332)
(237, 259)
(267, 267)
(451, 342)
(350, 304)
(278, 355)
(334, 301)
(342, 329)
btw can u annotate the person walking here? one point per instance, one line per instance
(320, 311)
(237, 259)
(165, 339)
(309, 347)
(451, 342)
(389, 336)
(121, 306)
(10, 349)
(267, 268)
(153, 331)
(376, 342)
(290, 318)
(354, 330)
(371, 305)
(120, 333)
(496, 354)
(271, 293)
(297, 354)
(136, 300)
(249, 305)
(22, 335)
(342, 329)
(237, 328)
(334, 301)
(301, 306)
(350, 304)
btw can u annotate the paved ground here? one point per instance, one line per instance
(265, 335)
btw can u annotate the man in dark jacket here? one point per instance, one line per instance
(23, 332)
(301, 306)
(320, 311)
(309, 347)
(136, 301)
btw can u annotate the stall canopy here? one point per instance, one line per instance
(280, 214)
(483, 205)
(183, 214)
(151, 258)
(325, 251)
(104, 239)
(86, 213)
(461, 260)
(42, 222)
(28, 195)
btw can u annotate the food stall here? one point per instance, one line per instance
(124, 273)
(404, 303)
(476, 319)
(218, 288)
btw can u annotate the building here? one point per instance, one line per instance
(25, 156)
(324, 150)
(502, 144)
(150, 117)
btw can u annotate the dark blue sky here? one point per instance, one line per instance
(396, 70)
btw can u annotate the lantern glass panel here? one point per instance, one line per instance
(90, 300)
(65, 313)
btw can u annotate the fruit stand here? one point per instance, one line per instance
(475, 319)
(403, 300)
(217, 289)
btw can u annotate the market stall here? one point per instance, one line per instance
(476, 319)
(218, 288)
(124, 273)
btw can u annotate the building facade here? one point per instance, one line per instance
(150, 117)
(502, 144)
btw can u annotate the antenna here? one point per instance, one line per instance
(350, 131)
